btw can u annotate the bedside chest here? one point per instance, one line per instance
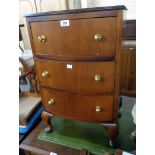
(77, 59)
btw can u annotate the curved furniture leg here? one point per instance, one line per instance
(113, 132)
(47, 118)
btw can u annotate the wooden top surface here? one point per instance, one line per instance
(34, 145)
(107, 8)
(28, 103)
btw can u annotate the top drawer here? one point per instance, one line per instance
(94, 37)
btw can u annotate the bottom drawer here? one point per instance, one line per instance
(92, 108)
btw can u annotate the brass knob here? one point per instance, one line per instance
(97, 77)
(45, 74)
(98, 37)
(41, 38)
(51, 101)
(98, 109)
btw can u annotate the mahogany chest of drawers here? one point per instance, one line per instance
(77, 59)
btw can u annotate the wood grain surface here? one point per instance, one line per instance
(79, 78)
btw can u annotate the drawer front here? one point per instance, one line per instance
(80, 107)
(91, 77)
(77, 38)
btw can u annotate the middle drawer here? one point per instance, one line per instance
(76, 76)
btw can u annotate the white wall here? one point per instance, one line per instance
(130, 4)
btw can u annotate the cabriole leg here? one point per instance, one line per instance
(47, 118)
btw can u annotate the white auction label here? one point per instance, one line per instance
(125, 153)
(64, 23)
(51, 153)
(69, 66)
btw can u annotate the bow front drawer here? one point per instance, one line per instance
(76, 76)
(86, 37)
(95, 108)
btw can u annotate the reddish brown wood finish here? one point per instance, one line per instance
(79, 78)
(71, 15)
(30, 73)
(74, 91)
(113, 132)
(74, 57)
(47, 118)
(33, 145)
(76, 39)
(78, 107)
(128, 71)
(39, 147)
(117, 63)
(27, 98)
